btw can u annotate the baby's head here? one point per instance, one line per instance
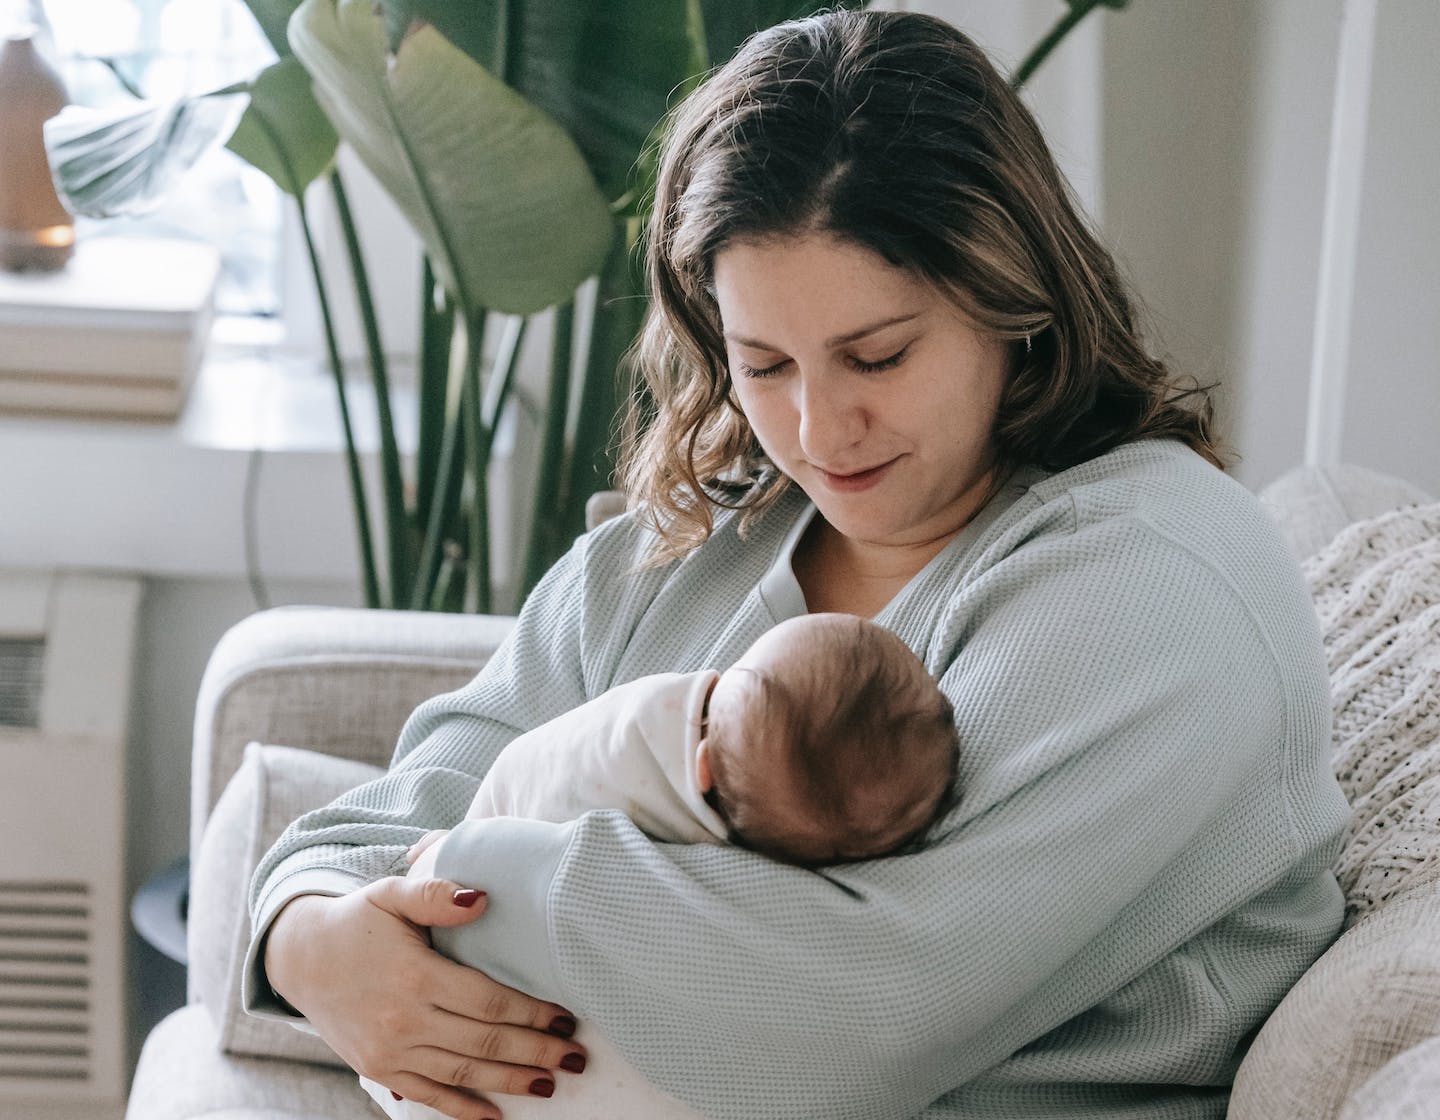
(827, 742)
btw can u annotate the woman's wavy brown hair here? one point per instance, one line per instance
(892, 131)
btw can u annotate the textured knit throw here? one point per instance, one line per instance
(1377, 591)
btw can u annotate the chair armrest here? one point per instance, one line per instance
(335, 680)
(1312, 504)
(273, 786)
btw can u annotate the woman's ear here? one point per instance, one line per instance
(702, 766)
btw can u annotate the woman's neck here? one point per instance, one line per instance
(839, 573)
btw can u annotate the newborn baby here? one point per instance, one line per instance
(826, 742)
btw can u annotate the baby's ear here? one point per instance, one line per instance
(702, 766)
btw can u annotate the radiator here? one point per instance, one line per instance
(66, 649)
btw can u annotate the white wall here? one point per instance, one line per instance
(1393, 403)
(1216, 122)
(1177, 82)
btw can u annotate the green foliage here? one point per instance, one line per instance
(499, 194)
(284, 132)
(273, 16)
(603, 71)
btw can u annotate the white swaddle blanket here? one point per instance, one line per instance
(633, 749)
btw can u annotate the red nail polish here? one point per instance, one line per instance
(467, 897)
(542, 1087)
(573, 1063)
(396, 1095)
(562, 1025)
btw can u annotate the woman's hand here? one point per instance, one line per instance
(360, 968)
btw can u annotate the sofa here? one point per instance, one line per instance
(299, 704)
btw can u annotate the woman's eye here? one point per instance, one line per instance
(883, 364)
(767, 371)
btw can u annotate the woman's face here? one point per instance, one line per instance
(865, 386)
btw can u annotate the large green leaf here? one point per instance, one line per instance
(272, 16)
(605, 70)
(284, 132)
(112, 162)
(500, 195)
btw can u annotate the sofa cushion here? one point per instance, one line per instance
(183, 1075)
(273, 786)
(1406, 1088)
(1375, 993)
(1312, 504)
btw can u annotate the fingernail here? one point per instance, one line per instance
(542, 1087)
(396, 1095)
(563, 1025)
(573, 1063)
(467, 897)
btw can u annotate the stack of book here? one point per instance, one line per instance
(120, 331)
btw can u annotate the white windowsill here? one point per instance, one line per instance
(168, 498)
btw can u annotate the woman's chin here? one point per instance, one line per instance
(877, 525)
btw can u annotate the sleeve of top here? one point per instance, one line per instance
(439, 761)
(1112, 693)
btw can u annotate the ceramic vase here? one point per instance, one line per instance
(36, 232)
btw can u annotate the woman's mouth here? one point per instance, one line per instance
(853, 482)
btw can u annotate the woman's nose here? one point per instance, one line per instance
(831, 420)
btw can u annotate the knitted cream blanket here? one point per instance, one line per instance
(1377, 590)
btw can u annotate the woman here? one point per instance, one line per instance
(894, 375)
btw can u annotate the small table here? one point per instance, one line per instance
(160, 908)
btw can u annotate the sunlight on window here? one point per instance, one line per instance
(111, 50)
(87, 28)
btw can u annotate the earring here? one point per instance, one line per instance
(1028, 346)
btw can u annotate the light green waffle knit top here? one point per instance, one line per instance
(1137, 870)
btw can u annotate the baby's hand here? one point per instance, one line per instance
(424, 852)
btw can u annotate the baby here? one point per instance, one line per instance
(826, 742)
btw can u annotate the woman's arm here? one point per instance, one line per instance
(439, 762)
(1122, 720)
(342, 939)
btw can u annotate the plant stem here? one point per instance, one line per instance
(396, 520)
(477, 587)
(502, 377)
(620, 311)
(506, 13)
(444, 581)
(1078, 10)
(552, 445)
(352, 457)
(464, 352)
(437, 327)
(485, 417)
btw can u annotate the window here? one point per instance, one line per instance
(108, 52)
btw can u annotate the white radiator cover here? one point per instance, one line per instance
(67, 645)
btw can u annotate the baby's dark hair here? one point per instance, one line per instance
(859, 737)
